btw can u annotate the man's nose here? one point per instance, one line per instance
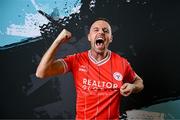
(101, 31)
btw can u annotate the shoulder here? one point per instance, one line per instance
(117, 56)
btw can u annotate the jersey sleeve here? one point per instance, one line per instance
(68, 62)
(129, 73)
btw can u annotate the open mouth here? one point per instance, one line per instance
(99, 42)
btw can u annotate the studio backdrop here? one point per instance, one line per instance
(146, 32)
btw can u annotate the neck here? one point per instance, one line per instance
(99, 56)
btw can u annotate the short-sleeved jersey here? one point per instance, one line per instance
(98, 83)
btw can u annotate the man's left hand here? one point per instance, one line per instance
(126, 89)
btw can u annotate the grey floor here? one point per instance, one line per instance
(163, 111)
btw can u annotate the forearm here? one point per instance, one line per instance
(138, 84)
(49, 56)
(47, 59)
(48, 65)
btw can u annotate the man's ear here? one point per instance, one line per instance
(111, 39)
(88, 37)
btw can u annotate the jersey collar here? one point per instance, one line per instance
(101, 62)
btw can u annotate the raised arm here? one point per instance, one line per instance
(49, 66)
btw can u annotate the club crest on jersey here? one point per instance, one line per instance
(117, 76)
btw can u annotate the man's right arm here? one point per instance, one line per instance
(49, 66)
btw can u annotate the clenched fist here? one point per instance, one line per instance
(126, 89)
(64, 36)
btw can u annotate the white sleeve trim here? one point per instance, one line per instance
(64, 65)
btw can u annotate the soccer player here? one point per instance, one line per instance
(101, 76)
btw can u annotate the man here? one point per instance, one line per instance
(101, 76)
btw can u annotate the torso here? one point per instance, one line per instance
(97, 86)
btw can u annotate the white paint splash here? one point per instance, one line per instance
(30, 28)
(76, 9)
(44, 7)
(92, 4)
(33, 21)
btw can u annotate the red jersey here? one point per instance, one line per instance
(98, 84)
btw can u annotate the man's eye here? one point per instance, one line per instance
(106, 30)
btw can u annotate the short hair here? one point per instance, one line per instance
(97, 19)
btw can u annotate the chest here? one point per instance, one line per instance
(107, 75)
